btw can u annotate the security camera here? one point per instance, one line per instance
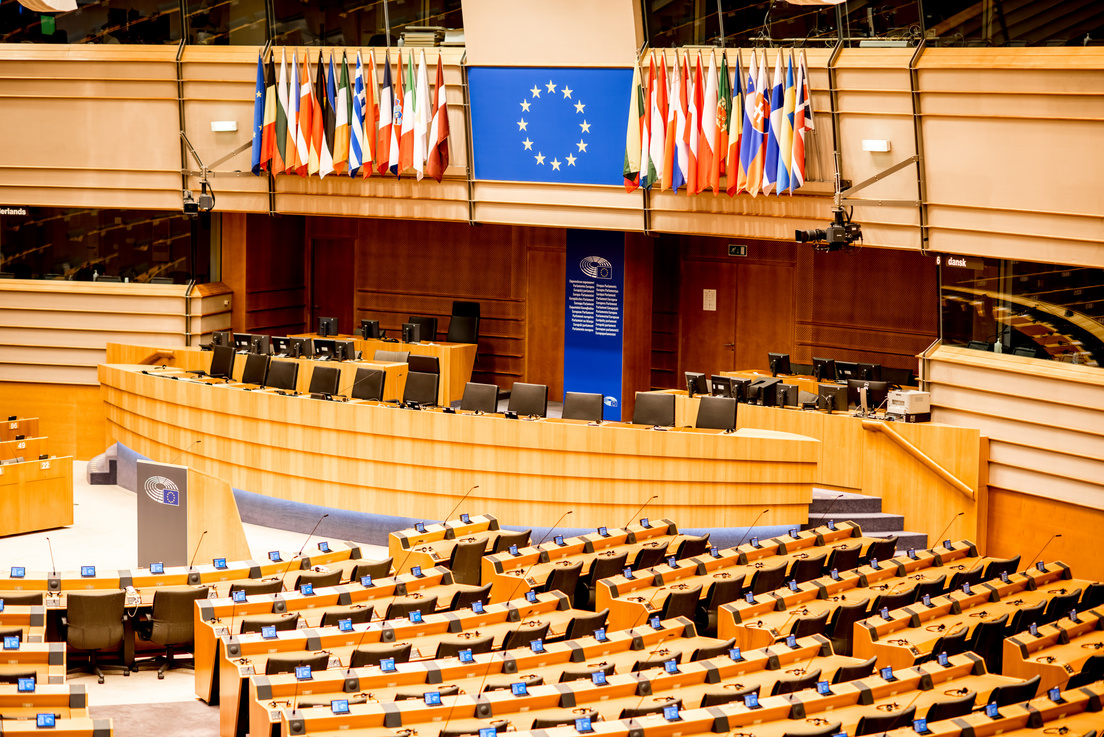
(841, 232)
(191, 207)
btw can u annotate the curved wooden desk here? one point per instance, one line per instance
(381, 459)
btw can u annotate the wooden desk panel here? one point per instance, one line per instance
(28, 448)
(36, 495)
(391, 461)
(26, 426)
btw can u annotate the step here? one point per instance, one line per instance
(838, 504)
(911, 541)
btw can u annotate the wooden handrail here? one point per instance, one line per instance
(924, 458)
(158, 357)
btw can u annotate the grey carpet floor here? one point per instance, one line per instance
(176, 719)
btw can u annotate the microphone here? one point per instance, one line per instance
(174, 460)
(300, 553)
(196, 552)
(633, 515)
(53, 566)
(749, 529)
(1038, 556)
(457, 506)
(526, 574)
(830, 506)
(356, 383)
(937, 539)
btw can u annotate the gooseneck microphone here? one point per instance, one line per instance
(530, 568)
(174, 460)
(53, 566)
(447, 516)
(196, 551)
(830, 506)
(940, 536)
(633, 515)
(1038, 557)
(316, 524)
(752, 527)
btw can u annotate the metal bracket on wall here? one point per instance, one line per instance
(842, 197)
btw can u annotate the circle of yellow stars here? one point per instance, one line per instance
(580, 109)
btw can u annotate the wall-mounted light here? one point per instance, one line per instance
(875, 145)
(230, 126)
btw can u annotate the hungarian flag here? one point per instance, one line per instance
(439, 129)
(281, 116)
(422, 107)
(386, 116)
(304, 110)
(341, 127)
(268, 131)
(397, 112)
(803, 122)
(785, 131)
(724, 110)
(707, 144)
(324, 116)
(258, 116)
(735, 129)
(631, 169)
(406, 141)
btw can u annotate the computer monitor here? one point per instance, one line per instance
(824, 369)
(281, 346)
(740, 387)
(241, 341)
(764, 392)
(978, 345)
(369, 329)
(325, 348)
(846, 370)
(720, 386)
(345, 350)
(222, 337)
(327, 326)
(832, 398)
(411, 332)
(1025, 351)
(301, 348)
(779, 363)
(876, 393)
(695, 383)
(898, 377)
(261, 344)
(787, 395)
(870, 371)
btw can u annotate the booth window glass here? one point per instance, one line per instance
(1045, 311)
(82, 244)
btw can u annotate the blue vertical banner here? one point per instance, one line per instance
(594, 302)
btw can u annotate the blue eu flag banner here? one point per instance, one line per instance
(551, 125)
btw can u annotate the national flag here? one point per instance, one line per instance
(724, 112)
(785, 131)
(679, 104)
(371, 116)
(439, 130)
(736, 128)
(258, 116)
(657, 135)
(311, 115)
(631, 170)
(670, 163)
(342, 129)
(324, 116)
(282, 115)
(694, 129)
(396, 117)
(707, 144)
(803, 122)
(357, 141)
(383, 139)
(753, 143)
(410, 104)
(770, 166)
(268, 130)
(647, 171)
(422, 107)
(304, 128)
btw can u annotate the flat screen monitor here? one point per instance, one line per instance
(281, 346)
(695, 384)
(846, 370)
(779, 363)
(325, 348)
(824, 369)
(740, 387)
(301, 348)
(764, 392)
(978, 345)
(877, 392)
(787, 395)
(222, 337)
(720, 386)
(327, 326)
(345, 350)
(261, 344)
(411, 332)
(898, 377)
(241, 341)
(369, 329)
(870, 371)
(1025, 351)
(832, 398)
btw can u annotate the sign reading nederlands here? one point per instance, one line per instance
(594, 299)
(162, 514)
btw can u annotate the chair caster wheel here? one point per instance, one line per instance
(160, 676)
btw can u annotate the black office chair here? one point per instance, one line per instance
(1093, 597)
(683, 603)
(994, 568)
(252, 587)
(951, 708)
(421, 388)
(278, 663)
(654, 409)
(425, 605)
(463, 329)
(22, 598)
(716, 413)
(465, 560)
(582, 406)
(961, 578)
(257, 622)
(318, 579)
(847, 673)
(171, 624)
(256, 369)
(1092, 670)
(586, 671)
(525, 634)
(656, 659)
(721, 592)
(355, 613)
(585, 625)
(1025, 616)
(424, 364)
(726, 693)
(932, 588)
(952, 644)
(881, 550)
(768, 579)
(714, 649)
(690, 547)
(844, 558)
(649, 558)
(1014, 693)
(324, 380)
(376, 652)
(428, 327)
(601, 567)
(814, 624)
(381, 356)
(806, 569)
(841, 629)
(452, 648)
(282, 375)
(464, 598)
(564, 578)
(1059, 606)
(879, 723)
(16, 632)
(375, 569)
(892, 601)
(529, 399)
(506, 538)
(822, 731)
(94, 622)
(794, 683)
(987, 640)
(222, 362)
(368, 384)
(506, 682)
(479, 397)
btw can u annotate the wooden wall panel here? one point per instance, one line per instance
(544, 319)
(71, 416)
(636, 327)
(263, 260)
(1021, 524)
